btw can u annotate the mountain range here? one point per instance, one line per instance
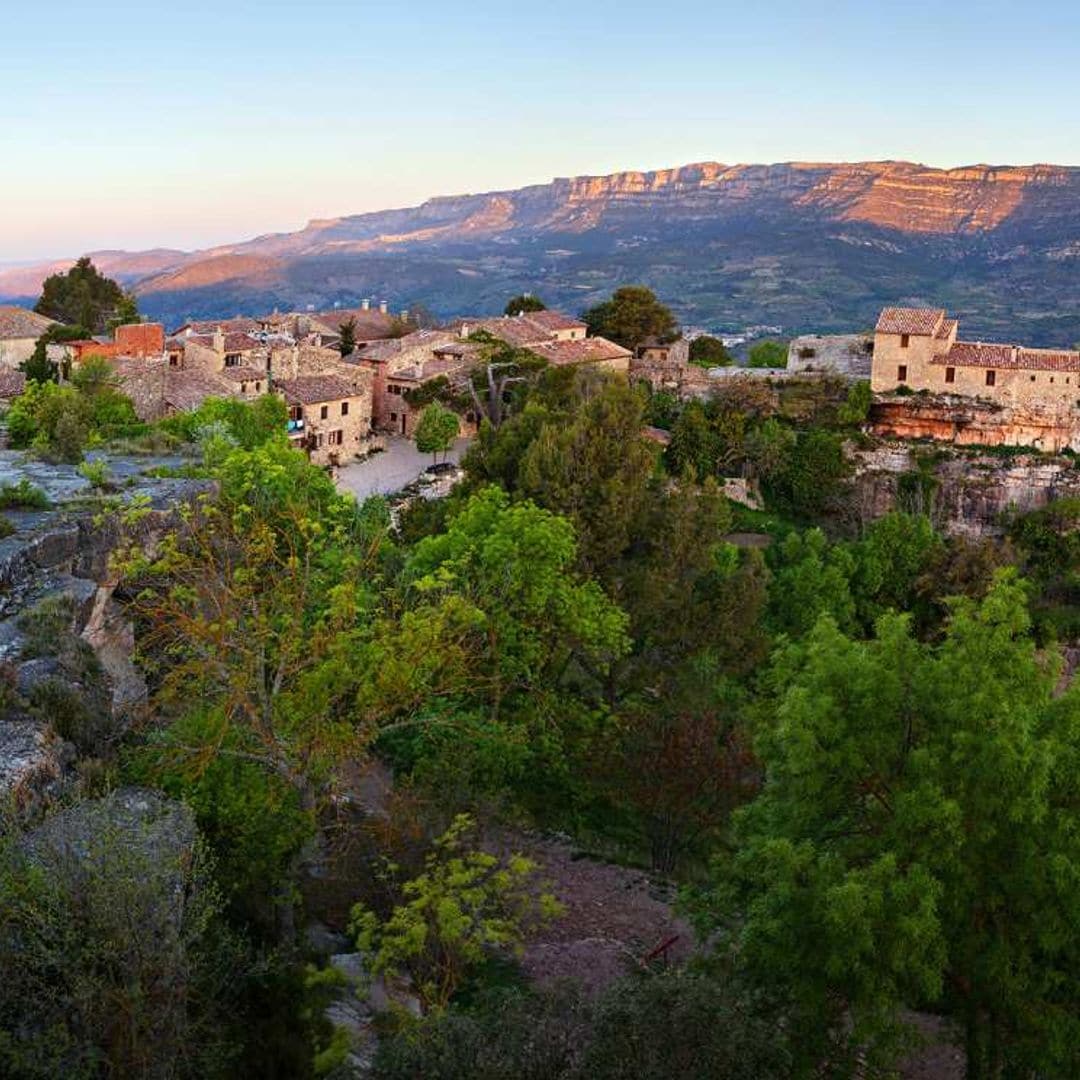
(801, 246)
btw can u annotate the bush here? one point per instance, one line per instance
(23, 496)
(650, 1027)
(806, 352)
(768, 354)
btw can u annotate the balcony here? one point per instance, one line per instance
(295, 425)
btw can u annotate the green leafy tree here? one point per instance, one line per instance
(813, 478)
(768, 354)
(347, 338)
(249, 616)
(436, 430)
(125, 313)
(82, 297)
(38, 367)
(631, 316)
(526, 302)
(112, 959)
(464, 906)
(915, 841)
(694, 445)
(594, 470)
(707, 351)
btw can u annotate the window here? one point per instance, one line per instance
(393, 390)
(319, 441)
(243, 388)
(336, 438)
(904, 339)
(950, 374)
(258, 388)
(901, 373)
(344, 408)
(991, 378)
(1051, 378)
(232, 359)
(1032, 378)
(324, 412)
(393, 416)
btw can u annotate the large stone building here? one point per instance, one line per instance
(19, 330)
(919, 348)
(329, 417)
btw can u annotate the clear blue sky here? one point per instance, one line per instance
(185, 124)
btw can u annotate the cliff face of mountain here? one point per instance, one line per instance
(799, 245)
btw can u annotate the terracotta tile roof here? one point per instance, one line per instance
(186, 390)
(921, 322)
(1048, 359)
(555, 320)
(239, 325)
(314, 389)
(1009, 357)
(430, 369)
(241, 342)
(243, 373)
(513, 329)
(945, 329)
(582, 351)
(369, 324)
(12, 383)
(17, 323)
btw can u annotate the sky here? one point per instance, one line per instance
(135, 125)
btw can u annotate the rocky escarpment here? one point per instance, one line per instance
(969, 494)
(807, 246)
(65, 643)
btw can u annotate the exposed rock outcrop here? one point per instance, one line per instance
(965, 494)
(63, 637)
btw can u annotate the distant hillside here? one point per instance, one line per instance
(803, 246)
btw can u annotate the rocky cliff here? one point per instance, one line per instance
(969, 494)
(67, 678)
(805, 246)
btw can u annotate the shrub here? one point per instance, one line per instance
(23, 496)
(97, 472)
(806, 352)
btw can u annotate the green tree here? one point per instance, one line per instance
(38, 367)
(112, 958)
(694, 444)
(126, 312)
(916, 841)
(525, 302)
(631, 316)
(768, 354)
(249, 616)
(82, 297)
(466, 905)
(347, 338)
(594, 470)
(707, 351)
(436, 430)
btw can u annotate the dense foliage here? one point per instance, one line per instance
(84, 297)
(845, 738)
(631, 317)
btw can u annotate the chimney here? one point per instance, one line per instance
(384, 306)
(365, 304)
(219, 341)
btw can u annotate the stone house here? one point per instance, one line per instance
(595, 351)
(399, 364)
(329, 417)
(919, 348)
(19, 330)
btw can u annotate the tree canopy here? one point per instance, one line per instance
(525, 302)
(85, 297)
(631, 317)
